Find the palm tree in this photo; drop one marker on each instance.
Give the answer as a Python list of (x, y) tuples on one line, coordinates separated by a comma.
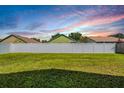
[(119, 36)]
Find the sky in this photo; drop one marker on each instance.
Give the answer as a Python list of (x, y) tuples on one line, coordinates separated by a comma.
[(46, 20)]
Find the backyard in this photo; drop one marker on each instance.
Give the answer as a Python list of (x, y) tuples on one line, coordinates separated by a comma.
[(61, 70)]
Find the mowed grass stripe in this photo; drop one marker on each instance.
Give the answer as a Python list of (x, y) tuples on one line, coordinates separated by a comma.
[(110, 64)]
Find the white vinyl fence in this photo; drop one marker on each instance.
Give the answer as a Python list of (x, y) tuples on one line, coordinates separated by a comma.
[(5, 48), (59, 48)]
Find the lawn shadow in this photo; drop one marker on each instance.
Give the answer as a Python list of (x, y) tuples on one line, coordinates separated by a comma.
[(56, 78)]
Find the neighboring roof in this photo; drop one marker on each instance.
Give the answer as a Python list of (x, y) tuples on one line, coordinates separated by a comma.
[(64, 36), (24, 39), (105, 39)]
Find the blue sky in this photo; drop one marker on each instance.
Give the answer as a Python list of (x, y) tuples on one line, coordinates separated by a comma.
[(45, 20)]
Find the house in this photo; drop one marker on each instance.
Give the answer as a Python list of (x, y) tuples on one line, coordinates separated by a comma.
[(101, 40), (18, 39), (62, 39)]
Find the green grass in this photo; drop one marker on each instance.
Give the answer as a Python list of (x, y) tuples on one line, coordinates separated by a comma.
[(61, 70)]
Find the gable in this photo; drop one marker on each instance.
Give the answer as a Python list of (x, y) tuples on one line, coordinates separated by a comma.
[(12, 39), (61, 39)]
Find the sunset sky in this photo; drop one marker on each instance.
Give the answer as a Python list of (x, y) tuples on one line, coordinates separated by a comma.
[(44, 21)]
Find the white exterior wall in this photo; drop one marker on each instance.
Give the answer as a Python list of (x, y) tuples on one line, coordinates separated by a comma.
[(59, 48)]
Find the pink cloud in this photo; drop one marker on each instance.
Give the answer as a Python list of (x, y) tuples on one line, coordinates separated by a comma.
[(103, 33), (92, 22), (99, 21)]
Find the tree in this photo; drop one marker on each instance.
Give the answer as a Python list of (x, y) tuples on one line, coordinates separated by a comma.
[(76, 36), (118, 35), (44, 41), (56, 35)]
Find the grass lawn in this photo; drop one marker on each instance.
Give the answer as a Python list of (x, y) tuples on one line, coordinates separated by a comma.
[(61, 70)]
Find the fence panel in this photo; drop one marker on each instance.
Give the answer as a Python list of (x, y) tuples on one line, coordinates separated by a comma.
[(43, 48), (4, 48), (59, 48)]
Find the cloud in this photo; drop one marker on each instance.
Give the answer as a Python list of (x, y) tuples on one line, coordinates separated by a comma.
[(102, 33), (87, 16), (77, 13), (63, 19), (24, 33), (35, 25), (92, 22), (99, 21)]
